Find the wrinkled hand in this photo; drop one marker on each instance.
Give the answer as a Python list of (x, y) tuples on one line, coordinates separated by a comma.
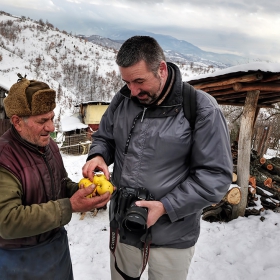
[(81, 203), (93, 164), (155, 210)]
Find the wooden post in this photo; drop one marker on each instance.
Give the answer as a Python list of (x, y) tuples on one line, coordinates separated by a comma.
[(244, 150)]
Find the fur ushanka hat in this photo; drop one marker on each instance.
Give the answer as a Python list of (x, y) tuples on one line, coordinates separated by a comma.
[(29, 98)]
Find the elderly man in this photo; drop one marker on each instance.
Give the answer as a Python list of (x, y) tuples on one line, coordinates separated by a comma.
[(36, 196)]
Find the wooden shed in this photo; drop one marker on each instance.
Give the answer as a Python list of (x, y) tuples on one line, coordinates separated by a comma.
[(253, 86)]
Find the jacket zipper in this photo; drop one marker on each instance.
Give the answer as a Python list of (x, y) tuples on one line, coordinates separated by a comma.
[(52, 182), (144, 111), (132, 128)]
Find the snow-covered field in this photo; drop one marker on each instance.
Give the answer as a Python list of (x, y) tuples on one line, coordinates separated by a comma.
[(243, 249)]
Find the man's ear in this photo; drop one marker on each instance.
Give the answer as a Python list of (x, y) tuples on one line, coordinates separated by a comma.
[(163, 69), (17, 122)]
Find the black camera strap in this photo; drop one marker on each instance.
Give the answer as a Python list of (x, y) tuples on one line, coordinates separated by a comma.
[(146, 239)]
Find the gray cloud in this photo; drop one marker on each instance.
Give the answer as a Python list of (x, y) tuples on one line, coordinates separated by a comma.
[(247, 28)]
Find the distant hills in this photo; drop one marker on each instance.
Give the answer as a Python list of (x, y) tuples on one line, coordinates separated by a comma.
[(180, 49)]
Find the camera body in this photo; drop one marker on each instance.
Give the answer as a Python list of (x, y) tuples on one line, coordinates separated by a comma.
[(133, 217)]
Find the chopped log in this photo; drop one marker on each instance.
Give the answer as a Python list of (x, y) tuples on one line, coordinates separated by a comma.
[(234, 177), (270, 166), (268, 183), (254, 211), (269, 203), (266, 174), (212, 215), (251, 203), (275, 193), (233, 196), (219, 212), (252, 181), (252, 190), (262, 193)]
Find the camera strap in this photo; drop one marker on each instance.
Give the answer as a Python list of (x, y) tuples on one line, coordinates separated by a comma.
[(146, 239)]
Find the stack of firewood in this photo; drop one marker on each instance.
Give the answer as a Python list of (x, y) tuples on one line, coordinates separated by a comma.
[(263, 186)]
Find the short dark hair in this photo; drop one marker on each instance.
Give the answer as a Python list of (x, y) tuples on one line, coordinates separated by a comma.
[(139, 48)]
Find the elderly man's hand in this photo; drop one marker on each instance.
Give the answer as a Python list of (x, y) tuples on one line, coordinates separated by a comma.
[(81, 203)]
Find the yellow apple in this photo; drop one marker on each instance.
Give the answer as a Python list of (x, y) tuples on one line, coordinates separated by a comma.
[(86, 182), (102, 184)]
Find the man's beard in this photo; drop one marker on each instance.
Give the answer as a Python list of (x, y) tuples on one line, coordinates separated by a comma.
[(152, 97)]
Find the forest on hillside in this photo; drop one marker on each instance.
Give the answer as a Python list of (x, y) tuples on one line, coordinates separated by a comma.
[(88, 71)]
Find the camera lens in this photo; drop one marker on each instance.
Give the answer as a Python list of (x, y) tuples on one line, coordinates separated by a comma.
[(136, 218)]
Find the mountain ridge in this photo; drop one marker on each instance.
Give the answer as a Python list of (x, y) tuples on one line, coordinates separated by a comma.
[(167, 42)]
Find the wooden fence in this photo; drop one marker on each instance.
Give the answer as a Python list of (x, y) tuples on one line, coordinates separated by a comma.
[(76, 144)]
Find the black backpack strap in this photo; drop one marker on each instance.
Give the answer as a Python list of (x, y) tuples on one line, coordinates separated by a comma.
[(189, 103)]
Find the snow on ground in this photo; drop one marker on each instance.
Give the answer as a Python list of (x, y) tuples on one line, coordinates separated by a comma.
[(243, 249)]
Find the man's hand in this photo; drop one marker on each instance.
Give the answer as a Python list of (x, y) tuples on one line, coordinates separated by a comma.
[(93, 164), (155, 210), (81, 203)]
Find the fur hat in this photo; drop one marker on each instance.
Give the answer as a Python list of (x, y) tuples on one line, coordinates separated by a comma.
[(29, 98)]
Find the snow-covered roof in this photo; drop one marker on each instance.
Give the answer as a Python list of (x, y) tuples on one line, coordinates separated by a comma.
[(230, 86), (255, 66), (72, 123), (4, 85)]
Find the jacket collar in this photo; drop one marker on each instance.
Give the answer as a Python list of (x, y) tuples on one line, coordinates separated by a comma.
[(27, 144)]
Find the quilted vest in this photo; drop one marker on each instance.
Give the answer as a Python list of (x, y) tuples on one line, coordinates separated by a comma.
[(41, 175)]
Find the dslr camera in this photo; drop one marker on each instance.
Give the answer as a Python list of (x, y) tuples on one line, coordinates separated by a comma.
[(133, 217)]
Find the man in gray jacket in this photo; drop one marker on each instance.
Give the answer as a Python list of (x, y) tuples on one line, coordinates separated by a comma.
[(161, 165)]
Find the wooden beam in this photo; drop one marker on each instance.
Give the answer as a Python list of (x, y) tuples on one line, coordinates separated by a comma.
[(221, 93), (266, 94), (244, 150), (270, 100), (217, 88), (257, 86), (245, 78), (233, 96), (271, 78), (228, 103)]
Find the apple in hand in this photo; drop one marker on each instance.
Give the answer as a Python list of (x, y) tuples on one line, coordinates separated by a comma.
[(102, 184), (86, 182)]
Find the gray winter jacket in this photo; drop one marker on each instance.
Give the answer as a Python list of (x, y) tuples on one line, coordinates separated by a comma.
[(155, 148)]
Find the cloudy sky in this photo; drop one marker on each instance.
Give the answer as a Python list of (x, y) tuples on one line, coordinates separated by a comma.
[(248, 28)]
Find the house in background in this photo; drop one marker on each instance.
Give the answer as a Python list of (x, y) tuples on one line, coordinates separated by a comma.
[(76, 130), (73, 137), (91, 113)]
